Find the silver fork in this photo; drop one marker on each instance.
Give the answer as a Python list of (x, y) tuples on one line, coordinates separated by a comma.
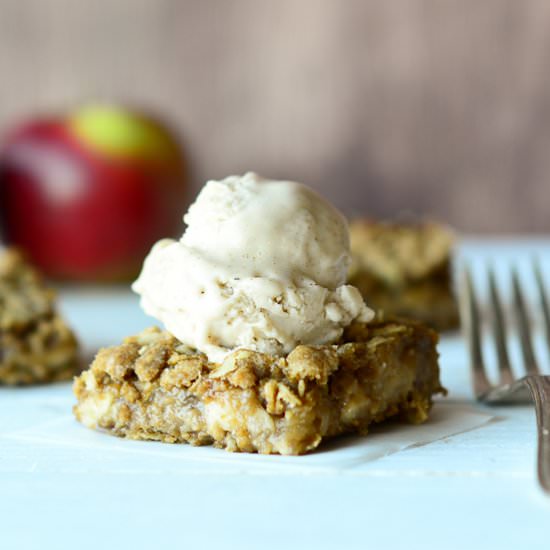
[(533, 386)]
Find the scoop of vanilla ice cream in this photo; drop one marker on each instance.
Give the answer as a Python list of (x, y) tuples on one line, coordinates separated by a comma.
[(262, 265)]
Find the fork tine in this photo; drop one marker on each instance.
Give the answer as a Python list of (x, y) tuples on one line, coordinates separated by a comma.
[(472, 329), (529, 359), (499, 332), (543, 298)]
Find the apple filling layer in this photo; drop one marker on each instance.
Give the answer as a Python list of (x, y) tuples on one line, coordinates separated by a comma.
[(35, 343), (154, 387)]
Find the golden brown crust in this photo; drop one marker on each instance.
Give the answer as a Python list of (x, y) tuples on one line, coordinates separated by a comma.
[(154, 387), (35, 343), (405, 270)]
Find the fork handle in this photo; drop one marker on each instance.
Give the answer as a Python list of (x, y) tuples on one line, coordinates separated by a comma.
[(539, 386)]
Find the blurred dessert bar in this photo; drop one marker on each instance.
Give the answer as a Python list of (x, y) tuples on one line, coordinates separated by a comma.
[(405, 270), (35, 343), (154, 387)]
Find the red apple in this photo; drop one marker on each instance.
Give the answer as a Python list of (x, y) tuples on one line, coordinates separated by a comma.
[(86, 195)]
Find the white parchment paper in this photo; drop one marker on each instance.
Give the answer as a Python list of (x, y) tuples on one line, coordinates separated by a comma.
[(51, 431)]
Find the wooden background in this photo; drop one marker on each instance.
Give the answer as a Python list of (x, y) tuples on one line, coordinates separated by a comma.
[(438, 107)]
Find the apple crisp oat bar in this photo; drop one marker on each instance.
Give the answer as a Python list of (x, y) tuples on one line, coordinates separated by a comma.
[(153, 387), (405, 270), (35, 343)]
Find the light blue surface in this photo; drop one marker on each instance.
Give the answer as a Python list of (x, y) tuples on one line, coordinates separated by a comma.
[(472, 490)]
